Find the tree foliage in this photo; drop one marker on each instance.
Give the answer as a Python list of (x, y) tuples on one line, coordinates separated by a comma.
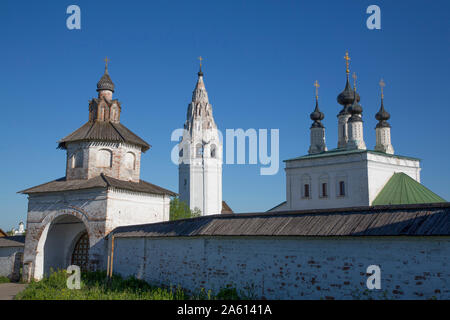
[(180, 210)]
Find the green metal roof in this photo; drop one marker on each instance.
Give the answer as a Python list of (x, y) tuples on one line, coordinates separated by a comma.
[(402, 189), (342, 151)]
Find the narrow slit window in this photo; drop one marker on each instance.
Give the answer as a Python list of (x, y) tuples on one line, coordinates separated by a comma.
[(341, 188), (324, 190), (306, 190)]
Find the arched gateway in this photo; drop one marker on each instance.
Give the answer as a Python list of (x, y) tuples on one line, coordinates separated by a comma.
[(68, 218), (64, 240)]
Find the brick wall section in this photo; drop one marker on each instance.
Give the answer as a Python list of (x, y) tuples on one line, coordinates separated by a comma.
[(10, 262), (292, 267), (90, 167)]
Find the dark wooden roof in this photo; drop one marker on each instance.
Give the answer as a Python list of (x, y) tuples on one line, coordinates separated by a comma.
[(13, 241), (226, 208), (100, 181), (103, 131), (403, 220), (2, 233)]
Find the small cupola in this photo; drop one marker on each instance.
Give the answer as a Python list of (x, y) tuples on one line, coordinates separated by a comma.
[(346, 97), (382, 115), (105, 86), (317, 116)]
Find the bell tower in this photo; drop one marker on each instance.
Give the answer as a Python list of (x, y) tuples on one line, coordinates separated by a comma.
[(200, 150)]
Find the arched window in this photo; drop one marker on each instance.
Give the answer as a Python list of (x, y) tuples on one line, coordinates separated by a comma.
[(323, 186), (103, 113), (104, 158), (306, 186), (181, 153), (130, 161), (213, 151), (341, 185), (199, 150), (77, 159)]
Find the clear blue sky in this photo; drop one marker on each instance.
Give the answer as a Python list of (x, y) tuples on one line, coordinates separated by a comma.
[(261, 59)]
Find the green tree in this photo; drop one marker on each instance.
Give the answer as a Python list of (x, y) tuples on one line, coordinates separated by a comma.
[(180, 210)]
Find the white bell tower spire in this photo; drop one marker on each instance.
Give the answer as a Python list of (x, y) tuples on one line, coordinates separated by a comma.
[(200, 170)]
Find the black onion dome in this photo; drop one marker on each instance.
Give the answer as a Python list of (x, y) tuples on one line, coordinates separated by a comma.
[(347, 96), (355, 110), (200, 72), (317, 116), (382, 116), (105, 82)]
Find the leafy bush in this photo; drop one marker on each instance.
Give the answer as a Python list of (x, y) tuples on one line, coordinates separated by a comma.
[(96, 286), (4, 280)]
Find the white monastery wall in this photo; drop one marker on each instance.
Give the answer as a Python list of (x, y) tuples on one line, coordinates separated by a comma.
[(129, 208), (364, 175), (10, 262), (350, 169), (292, 268)]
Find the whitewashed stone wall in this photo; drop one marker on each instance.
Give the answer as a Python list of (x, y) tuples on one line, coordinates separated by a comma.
[(87, 206), (96, 211), (352, 168), (130, 208), (365, 174), (292, 268), (95, 162), (8, 261)]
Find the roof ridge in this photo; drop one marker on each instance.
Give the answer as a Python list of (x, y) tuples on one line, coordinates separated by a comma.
[(123, 138), (104, 177), (90, 129), (40, 185)]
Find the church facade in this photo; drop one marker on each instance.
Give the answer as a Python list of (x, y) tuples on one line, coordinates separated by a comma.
[(68, 218), (200, 151), (351, 175)]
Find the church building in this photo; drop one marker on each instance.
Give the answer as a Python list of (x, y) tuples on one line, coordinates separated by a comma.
[(352, 175), (68, 218), (200, 153)]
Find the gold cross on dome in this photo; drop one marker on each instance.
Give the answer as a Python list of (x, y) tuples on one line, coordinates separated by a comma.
[(106, 62), (382, 85), (354, 80), (347, 59), (316, 84), (200, 59)]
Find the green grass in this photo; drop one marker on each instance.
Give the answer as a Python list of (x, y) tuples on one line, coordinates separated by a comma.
[(95, 286), (4, 280)]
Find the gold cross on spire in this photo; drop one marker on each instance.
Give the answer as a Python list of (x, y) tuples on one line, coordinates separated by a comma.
[(200, 59), (382, 85), (354, 80), (106, 63), (347, 59), (316, 84)]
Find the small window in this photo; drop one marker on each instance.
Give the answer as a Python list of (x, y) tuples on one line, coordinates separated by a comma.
[(77, 159), (213, 151), (104, 158), (180, 154), (130, 161), (306, 191), (341, 188), (199, 151), (324, 190)]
